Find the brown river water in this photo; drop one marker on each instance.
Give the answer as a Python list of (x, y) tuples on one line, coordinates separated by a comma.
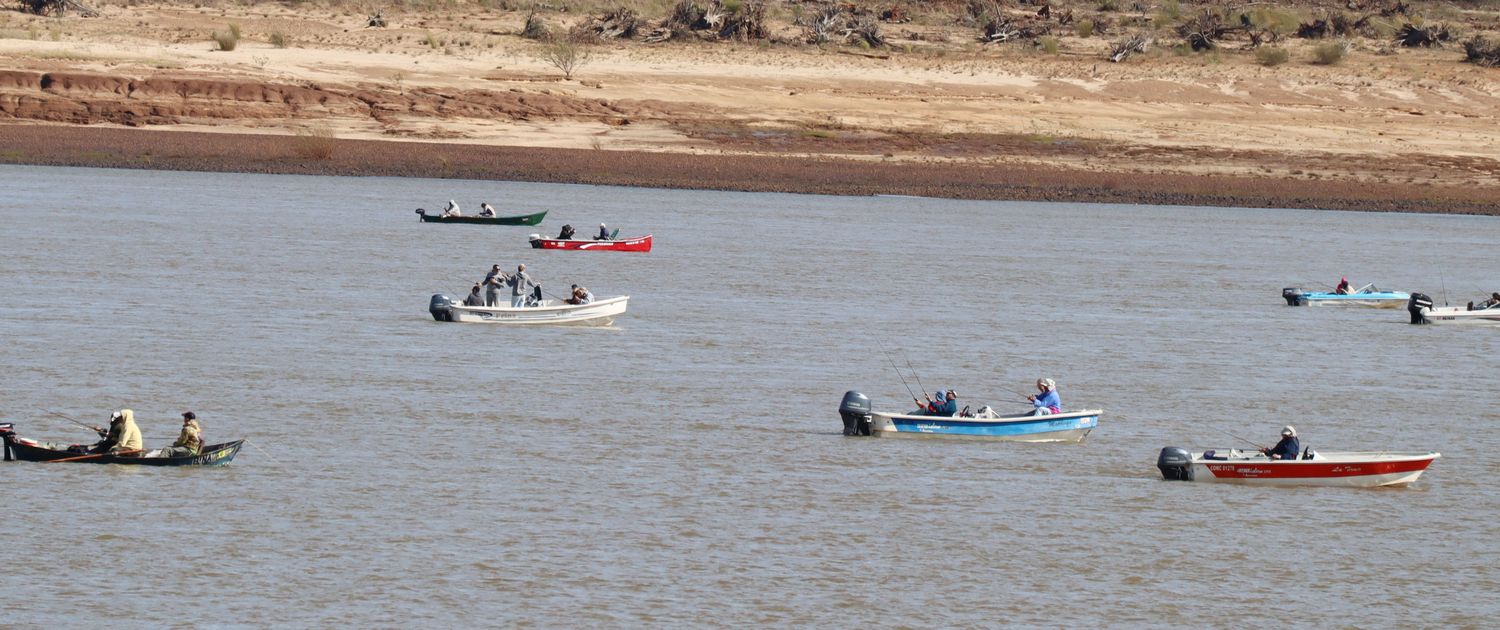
[(685, 466)]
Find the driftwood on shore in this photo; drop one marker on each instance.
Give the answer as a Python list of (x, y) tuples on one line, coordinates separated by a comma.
[(1482, 52), (1125, 48), (1412, 35), (57, 7), (844, 23)]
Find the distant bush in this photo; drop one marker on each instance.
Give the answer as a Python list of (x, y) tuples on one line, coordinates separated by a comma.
[(565, 56), (433, 41), (279, 39), (317, 142), (227, 41), (1049, 45), (1268, 56), (1328, 54), (1084, 28), (1107, 5)]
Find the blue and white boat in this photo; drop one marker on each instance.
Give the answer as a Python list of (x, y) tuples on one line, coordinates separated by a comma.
[(1069, 426), (1367, 296)]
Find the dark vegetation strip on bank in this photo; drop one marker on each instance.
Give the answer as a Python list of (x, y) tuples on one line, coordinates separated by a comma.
[(193, 151)]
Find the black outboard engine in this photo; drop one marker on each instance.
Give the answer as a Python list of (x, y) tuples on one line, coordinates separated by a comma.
[(1176, 464), (1294, 296), (855, 410), (8, 433), (441, 308), (1415, 305)]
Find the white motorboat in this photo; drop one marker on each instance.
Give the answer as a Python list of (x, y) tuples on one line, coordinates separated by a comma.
[(1423, 311), (1314, 468), (600, 312)]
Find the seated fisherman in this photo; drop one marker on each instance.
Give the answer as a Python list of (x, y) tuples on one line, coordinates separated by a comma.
[(452, 209), (603, 233), (487, 211), (1343, 288), (189, 443), (474, 299), (566, 233), (1045, 402), (1287, 448), (122, 437), (1493, 302)]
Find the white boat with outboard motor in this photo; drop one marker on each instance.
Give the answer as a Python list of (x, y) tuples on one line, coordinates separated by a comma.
[(1423, 311), (985, 424), (601, 312), (1352, 469), (1367, 295)]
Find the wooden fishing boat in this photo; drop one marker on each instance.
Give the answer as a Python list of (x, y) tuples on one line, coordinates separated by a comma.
[(1315, 468), (596, 313), (27, 450), (1070, 426), (1369, 297), (522, 219), (636, 244), (1423, 312)]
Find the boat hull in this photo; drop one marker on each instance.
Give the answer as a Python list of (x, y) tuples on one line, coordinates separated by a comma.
[(637, 244), (26, 450), (1350, 470), (523, 219), (1384, 299), (1460, 315), (1063, 427), (550, 313)]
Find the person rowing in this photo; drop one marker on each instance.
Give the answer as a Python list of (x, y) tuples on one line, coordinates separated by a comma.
[(452, 209), (1287, 448), (1045, 402)]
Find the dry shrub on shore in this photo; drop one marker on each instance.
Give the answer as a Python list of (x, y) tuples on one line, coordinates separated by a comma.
[(1270, 57), (1328, 53), (227, 41), (1481, 51), (317, 142), (536, 29), (565, 55)]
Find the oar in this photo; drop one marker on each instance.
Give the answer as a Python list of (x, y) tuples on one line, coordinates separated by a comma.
[(81, 457)]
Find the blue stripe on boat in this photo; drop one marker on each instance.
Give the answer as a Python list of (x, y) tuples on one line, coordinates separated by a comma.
[(1012, 426)]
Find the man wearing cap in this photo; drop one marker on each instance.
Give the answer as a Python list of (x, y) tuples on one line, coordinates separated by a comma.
[(190, 442), (946, 404), (1045, 402), (1287, 448), (492, 283), (122, 437)]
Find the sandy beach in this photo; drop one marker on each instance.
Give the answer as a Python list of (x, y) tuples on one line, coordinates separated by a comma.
[(456, 91)]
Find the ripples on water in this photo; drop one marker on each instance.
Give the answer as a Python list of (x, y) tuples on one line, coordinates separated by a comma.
[(684, 467)]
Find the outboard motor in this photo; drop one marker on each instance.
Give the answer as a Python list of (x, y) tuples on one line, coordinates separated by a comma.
[(535, 239), (1294, 296), (855, 410), (1176, 464), (1415, 306), (8, 433), (441, 308)]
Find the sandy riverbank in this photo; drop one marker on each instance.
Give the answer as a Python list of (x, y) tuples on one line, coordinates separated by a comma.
[(454, 91)]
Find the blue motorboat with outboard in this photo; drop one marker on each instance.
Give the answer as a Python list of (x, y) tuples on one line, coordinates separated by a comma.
[(985, 424), (1368, 296)]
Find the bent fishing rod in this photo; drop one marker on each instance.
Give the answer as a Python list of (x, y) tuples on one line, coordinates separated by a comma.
[(1246, 440), (70, 419), (914, 372), (893, 367)]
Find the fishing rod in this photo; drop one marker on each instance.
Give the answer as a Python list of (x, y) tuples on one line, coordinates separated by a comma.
[(893, 367), (1445, 285), (70, 419), (914, 372), (1247, 440)]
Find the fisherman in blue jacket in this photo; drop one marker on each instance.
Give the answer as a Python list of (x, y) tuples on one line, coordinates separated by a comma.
[(1045, 402), (1287, 448)]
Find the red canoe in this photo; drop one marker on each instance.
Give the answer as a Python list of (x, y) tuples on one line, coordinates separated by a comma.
[(637, 244)]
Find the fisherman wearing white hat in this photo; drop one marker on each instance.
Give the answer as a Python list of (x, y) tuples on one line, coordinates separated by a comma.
[(603, 233), (1045, 401), (1287, 448)]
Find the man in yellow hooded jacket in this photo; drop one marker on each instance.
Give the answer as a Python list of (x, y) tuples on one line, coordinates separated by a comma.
[(122, 437)]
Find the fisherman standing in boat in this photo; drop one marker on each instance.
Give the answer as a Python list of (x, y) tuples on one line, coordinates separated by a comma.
[(492, 283), (122, 436), (520, 285), (486, 210), (474, 298), (190, 442), (1045, 402), (603, 233), (452, 209), (1287, 448)]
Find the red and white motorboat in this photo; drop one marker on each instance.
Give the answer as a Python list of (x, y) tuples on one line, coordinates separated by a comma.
[(637, 244), (1336, 468)]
